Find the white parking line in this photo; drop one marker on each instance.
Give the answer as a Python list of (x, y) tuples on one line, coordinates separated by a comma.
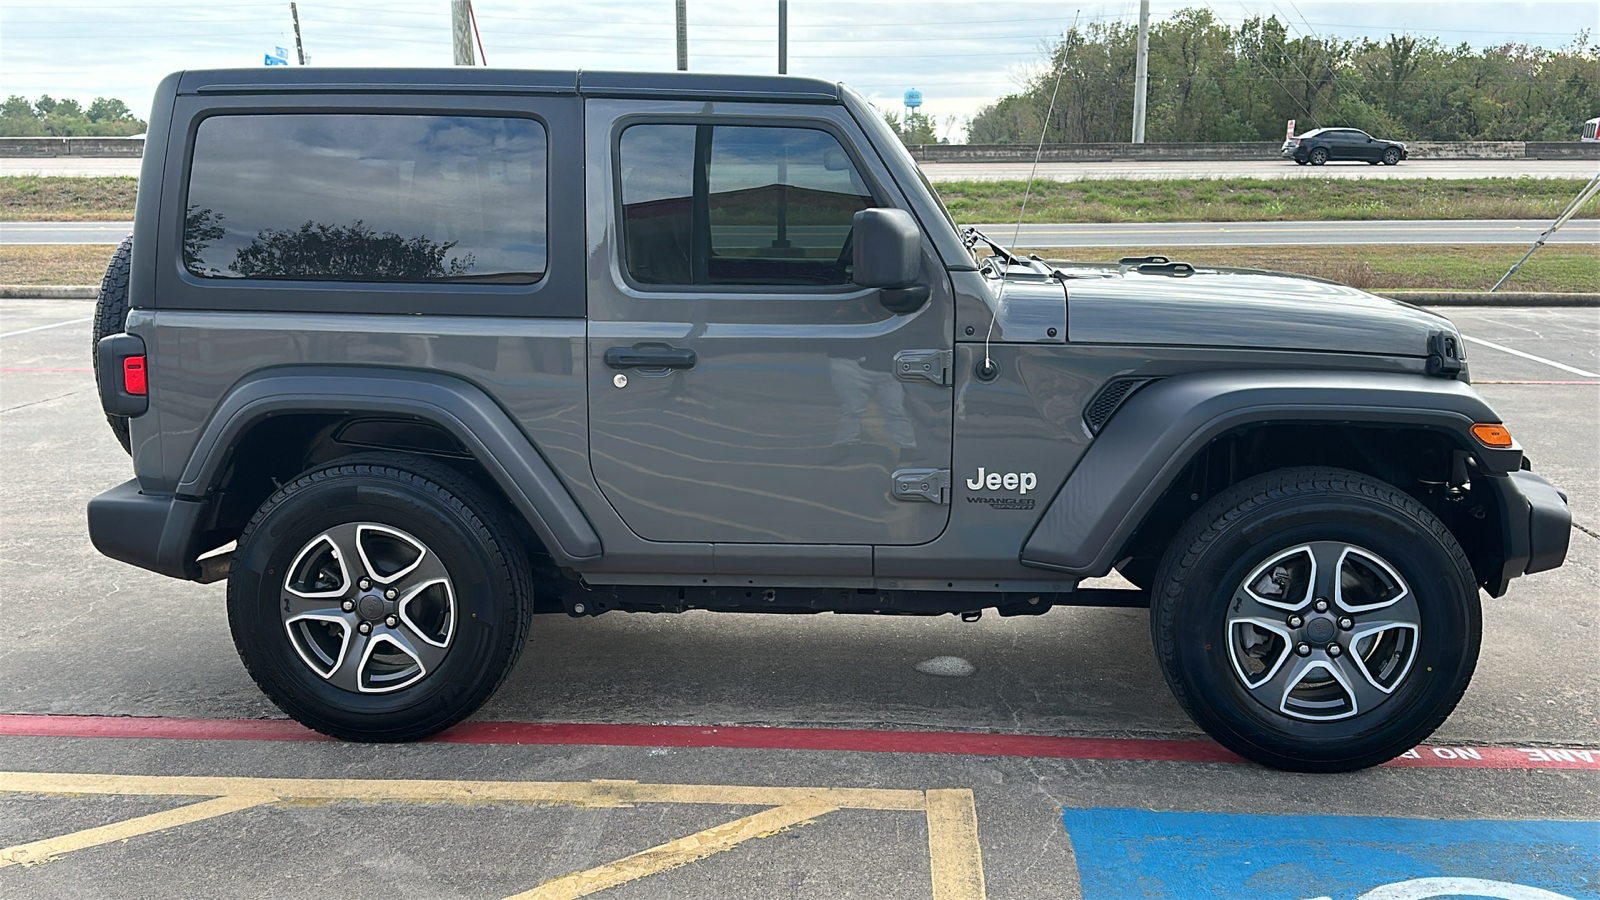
[(51, 325), (1538, 359)]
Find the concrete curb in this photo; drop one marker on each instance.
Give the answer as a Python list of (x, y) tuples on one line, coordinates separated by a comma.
[(1420, 298), (49, 291)]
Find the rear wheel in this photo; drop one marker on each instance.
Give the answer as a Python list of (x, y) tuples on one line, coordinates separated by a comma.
[(1391, 157), (1299, 162), (1319, 156), (383, 598), (1316, 620), (111, 317)]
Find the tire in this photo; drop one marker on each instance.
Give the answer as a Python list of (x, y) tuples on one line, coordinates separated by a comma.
[(1372, 162), (1299, 162), (1319, 156), (1297, 697), (111, 317), (1391, 157), (439, 645)]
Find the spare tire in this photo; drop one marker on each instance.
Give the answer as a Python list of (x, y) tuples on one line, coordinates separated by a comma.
[(110, 317)]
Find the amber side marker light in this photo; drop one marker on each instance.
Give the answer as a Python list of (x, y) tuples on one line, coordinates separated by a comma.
[(1492, 435)]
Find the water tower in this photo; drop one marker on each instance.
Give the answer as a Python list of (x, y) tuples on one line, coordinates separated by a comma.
[(913, 100)]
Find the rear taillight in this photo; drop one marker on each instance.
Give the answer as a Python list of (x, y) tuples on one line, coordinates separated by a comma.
[(133, 380)]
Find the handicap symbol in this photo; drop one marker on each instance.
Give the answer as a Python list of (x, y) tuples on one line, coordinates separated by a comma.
[(1425, 888)]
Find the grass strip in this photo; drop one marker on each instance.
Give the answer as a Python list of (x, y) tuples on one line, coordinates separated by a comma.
[(33, 198), (27, 198), (1263, 200), (54, 263), (1565, 268)]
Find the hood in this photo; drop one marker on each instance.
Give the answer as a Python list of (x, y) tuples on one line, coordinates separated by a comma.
[(1243, 308)]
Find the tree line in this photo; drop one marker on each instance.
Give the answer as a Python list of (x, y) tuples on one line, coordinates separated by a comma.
[(49, 117), (1213, 82)]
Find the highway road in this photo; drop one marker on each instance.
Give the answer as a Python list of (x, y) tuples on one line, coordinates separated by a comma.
[(1173, 234), (1273, 234), (981, 171), (1266, 168)]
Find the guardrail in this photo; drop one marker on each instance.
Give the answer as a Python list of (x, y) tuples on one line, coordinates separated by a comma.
[(99, 147), (989, 153)]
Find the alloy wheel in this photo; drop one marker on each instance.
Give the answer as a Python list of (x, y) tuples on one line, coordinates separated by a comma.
[(368, 608), (1322, 631)]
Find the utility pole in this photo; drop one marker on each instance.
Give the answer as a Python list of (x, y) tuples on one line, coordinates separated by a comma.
[(461, 32), (1141, 72), (783, 37), (683, 35), (299, 48)]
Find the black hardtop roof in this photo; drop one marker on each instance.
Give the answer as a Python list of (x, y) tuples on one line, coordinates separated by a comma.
[(665, 85)]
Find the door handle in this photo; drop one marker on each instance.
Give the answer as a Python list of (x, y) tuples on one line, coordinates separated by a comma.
[(650, 356)]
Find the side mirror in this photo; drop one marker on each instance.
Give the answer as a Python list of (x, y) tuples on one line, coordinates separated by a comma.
[(885, 248)]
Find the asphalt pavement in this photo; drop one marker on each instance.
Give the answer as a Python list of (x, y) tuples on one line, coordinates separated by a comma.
[(1074, 171), (1174, 234), (713, 755), (1266, 168), (1271, 234)]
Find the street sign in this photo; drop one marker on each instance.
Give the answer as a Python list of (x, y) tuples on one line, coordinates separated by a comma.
[(278, 57), (1289, 133), (913, 98)]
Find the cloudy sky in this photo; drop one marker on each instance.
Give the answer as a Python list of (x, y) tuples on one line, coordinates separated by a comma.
[(959, 54)]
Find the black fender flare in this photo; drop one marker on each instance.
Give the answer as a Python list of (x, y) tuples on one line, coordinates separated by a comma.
[(1162, 426), (459, 407)]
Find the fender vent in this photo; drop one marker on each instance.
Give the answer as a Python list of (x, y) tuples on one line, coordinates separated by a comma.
[(1105, 403)]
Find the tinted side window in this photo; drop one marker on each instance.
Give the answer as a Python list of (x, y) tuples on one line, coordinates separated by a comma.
[(391, 198), (736, 204)]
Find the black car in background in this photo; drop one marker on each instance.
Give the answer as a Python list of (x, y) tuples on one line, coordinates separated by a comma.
[(1333, 144)]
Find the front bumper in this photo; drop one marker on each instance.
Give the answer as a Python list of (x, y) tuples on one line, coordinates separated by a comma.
[(1535, 526), (158, 532)]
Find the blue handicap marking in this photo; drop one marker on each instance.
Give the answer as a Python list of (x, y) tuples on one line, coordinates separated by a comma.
[(1133, 853)]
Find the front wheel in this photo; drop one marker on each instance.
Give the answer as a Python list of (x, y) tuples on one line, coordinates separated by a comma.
[(1391, 157), (381, 598), (1316, 620)]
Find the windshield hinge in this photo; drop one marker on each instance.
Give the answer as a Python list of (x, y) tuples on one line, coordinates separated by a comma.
[(932, 365), (922, 485)]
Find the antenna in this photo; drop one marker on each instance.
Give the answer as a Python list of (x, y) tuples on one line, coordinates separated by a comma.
[(989, 369)]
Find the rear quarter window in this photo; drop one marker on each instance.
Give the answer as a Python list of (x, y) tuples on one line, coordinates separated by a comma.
[(367, 198)]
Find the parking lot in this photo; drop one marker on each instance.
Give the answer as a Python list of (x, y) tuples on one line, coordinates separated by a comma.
[(718, 755)]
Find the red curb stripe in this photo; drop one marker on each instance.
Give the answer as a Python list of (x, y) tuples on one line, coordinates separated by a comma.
[(745, 737)]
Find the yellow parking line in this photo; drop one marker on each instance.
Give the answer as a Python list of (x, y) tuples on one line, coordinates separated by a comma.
[(955, 856), (39, 851), (677, 853), (953, 846), (584, 793)]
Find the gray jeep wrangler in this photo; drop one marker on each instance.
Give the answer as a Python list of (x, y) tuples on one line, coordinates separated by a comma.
[(410, 356)]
